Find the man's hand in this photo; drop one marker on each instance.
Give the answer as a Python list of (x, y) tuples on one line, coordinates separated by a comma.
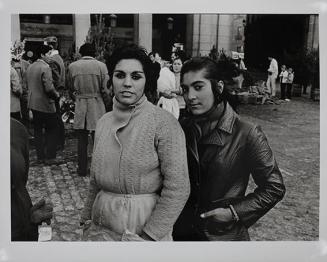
[(41, 211)]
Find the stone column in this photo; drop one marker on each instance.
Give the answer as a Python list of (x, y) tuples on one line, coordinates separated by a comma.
[(15, 28), (225, 33), (144, 28), (204, 33), (189, 34), (313, 32), (136, 29), (81, 24)]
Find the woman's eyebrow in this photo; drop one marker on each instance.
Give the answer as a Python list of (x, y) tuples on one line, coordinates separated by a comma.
[(197, 82), (134, 72)]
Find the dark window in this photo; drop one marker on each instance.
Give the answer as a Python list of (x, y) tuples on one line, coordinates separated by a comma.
[(61, 19), (123, 20)]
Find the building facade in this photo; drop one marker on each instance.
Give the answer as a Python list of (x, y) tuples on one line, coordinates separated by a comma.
[(280, 36), (196, 33)]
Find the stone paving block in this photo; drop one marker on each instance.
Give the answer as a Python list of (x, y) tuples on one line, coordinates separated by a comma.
[(73, 222), (66, 195), (60, 219), (58, 208), (70, 236), (66, 227), (80, 205), (69, 207), (68, 202)]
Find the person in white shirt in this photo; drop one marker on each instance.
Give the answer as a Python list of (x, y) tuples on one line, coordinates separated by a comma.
[(283, 76), (272, 75), (290, 78), (166, 88)]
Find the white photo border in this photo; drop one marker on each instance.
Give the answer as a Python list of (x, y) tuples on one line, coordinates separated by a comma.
[(175, 251)]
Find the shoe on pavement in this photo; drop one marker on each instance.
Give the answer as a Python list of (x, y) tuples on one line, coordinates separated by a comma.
[(287, 100), (37, 162), (83, 173), (51, 161)]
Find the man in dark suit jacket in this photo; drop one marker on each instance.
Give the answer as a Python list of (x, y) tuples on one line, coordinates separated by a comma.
[(41, 100), (59, 84), (155, 68)]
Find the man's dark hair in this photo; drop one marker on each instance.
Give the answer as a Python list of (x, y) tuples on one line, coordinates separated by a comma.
[(42, 50), (87, 49)]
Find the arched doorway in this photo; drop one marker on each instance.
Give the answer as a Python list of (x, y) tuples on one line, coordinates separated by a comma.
[(275, 35), (167, 30)]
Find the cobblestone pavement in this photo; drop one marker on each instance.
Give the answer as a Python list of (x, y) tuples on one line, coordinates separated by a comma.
[(292, 129)]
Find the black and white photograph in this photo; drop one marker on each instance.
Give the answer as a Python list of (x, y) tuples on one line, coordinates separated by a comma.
[(196, 128)]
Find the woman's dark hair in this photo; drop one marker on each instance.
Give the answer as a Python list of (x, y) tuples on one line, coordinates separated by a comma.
[(181, 55), (212, 73), (176, 58), (132, 51), (87, 50)]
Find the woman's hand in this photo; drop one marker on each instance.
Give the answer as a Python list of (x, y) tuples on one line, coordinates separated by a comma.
[(129, 236), (146, 237), (168, 95), (176, 92), (85, 224), (221, 215), (42, 211)]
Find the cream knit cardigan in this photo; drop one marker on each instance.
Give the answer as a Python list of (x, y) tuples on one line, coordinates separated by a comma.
[(141, 149)]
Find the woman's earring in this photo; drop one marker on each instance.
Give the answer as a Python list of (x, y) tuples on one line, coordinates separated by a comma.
[(220, 86)]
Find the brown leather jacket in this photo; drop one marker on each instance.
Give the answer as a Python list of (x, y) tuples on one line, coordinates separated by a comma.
[(219, 171)]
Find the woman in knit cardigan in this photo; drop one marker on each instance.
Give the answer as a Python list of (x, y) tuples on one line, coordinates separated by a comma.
[(139, 176)]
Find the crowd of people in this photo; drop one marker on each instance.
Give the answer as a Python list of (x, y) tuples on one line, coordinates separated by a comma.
[(171, 157)]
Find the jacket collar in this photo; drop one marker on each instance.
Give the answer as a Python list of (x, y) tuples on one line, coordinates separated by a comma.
[(225, 125), (226, 122), (123, 113), (42, 61), (87, 57), (54, 52)]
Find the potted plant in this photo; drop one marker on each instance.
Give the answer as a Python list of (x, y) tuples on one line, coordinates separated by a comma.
[(101, 37), (312, 63), (306, 71)]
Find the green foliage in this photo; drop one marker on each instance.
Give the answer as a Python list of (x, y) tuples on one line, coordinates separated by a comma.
[(306, 66), (101, 37), (229, 68)]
